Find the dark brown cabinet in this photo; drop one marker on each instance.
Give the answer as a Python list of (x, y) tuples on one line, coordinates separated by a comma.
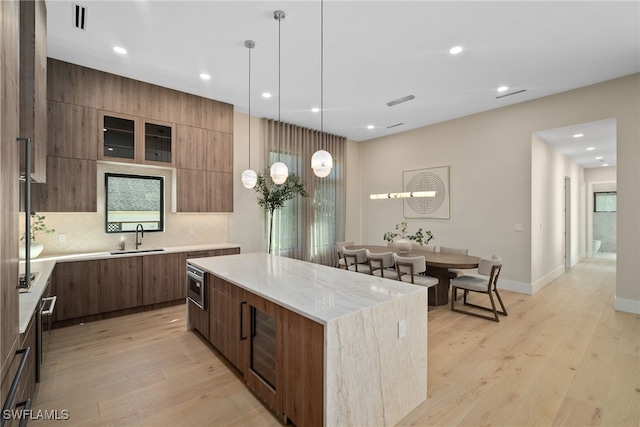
[(71, 186), (120, 283), (78, 290), (279, 352), (226, 307), (161, 279), (33, 83)]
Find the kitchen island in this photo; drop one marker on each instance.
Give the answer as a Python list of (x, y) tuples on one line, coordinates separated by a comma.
[(370, 364)]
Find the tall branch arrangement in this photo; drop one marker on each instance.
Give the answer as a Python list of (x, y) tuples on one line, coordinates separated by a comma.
[(272, 196)]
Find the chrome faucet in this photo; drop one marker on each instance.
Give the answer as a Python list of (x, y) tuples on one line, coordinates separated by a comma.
[(141, 229)]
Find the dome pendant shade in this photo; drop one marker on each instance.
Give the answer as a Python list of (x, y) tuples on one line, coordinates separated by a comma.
[(249, 178), (279, 173), (321, 163)]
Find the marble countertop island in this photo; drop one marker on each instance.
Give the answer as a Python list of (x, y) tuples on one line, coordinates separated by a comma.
[(375, 331)]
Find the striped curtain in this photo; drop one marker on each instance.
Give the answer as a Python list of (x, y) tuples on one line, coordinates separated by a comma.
[(308, 228)]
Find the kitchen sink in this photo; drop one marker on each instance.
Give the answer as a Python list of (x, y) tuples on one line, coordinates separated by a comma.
[(136, 251)]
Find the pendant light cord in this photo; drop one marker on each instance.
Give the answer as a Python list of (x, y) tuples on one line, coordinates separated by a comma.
[(322, 143), (279, 123), (249, 107)]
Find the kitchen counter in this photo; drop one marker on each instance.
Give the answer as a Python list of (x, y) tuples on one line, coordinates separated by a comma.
[(44, 265), (29, 301), (374, 332), (107, 254)]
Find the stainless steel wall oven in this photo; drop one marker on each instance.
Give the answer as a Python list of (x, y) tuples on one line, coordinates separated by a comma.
[(196, 286)]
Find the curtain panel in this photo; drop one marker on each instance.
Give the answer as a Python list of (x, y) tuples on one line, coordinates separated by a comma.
[(307, 228)]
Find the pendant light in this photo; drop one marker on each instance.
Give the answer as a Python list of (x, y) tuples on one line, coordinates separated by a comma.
[(321, 161), (279, 171), (249, 176)]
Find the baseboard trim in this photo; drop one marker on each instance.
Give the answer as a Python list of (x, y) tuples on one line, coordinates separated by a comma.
[(626, 305), (548, 278), (520, 287)]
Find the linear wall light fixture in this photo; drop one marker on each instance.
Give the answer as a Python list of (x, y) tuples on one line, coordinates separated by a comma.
[(403, 195), (401, 100)]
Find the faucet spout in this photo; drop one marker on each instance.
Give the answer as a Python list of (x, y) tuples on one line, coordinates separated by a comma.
[(139, 228)]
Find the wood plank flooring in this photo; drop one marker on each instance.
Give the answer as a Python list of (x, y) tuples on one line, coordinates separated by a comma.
[(562, 357)]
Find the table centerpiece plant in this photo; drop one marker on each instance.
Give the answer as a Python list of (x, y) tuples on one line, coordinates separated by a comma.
[(405, 239), (37, 226)]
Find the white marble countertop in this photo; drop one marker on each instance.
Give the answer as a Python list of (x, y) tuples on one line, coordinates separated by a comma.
[(29, 300), (142, 252), (317, 292)]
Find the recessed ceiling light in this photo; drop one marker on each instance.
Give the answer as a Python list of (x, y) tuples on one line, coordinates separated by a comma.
[(266, 95), (205, 76), (605, 164), (120, 50), (503, 88), (591, 148), (455, 50), (370, 127), (578, 135), (315, 109), (599, 158)]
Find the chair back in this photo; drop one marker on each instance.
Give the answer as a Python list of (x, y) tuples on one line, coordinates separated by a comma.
[(424, 248), (490, 267), (380, 260), (340, 246), (448, 250), (355, 256), (410, 265)]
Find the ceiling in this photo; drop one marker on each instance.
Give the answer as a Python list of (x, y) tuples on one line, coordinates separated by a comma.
[(374, 52)]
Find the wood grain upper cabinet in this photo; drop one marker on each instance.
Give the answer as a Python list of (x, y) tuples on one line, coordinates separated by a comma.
[(71, 131), (71, 186), (161, 279), (33, 83), (120, 283), (191, 148), (77, 287), (133, 139)]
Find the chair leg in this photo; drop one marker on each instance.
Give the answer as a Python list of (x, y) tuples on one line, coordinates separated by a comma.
[(493, 305), (504, 310), (435, 298)]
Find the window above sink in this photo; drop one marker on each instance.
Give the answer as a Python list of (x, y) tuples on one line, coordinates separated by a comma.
[(131, 200)]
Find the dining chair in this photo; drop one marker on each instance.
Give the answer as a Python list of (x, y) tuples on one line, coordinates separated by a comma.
[(425, 248), (409, 269), (488, 268), (339, 247), (381, 263), (456, 272), (356, 260)]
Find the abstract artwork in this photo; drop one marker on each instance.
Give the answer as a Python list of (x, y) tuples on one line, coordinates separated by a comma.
[(429, 179)]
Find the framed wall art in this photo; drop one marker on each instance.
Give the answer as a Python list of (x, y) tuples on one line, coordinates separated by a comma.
[(429, 179)]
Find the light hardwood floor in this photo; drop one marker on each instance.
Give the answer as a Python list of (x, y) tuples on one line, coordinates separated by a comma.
[(562, 357)]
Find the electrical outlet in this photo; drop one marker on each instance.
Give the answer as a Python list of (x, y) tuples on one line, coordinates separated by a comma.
[(190, 232), (402, 329), (62, 237)]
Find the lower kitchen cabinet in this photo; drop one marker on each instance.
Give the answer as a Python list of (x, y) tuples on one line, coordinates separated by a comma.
[(120, 283), (226, 307), (279, 352), (198, 319), (161, 279), (77, 288), (28, 381)]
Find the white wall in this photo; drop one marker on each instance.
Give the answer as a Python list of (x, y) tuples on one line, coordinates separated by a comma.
[(548, 172), (490, 158)]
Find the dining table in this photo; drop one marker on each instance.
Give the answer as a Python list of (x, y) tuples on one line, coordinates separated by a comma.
[(438, 265)]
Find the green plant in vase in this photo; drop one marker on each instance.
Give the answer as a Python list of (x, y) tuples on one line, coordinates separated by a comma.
[(37, 227), (272, 196), (405, 239)]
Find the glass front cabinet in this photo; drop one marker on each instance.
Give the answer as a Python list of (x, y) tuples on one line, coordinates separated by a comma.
[(126, 138)]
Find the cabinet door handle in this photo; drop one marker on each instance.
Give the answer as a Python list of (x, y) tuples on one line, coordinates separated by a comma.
[(8, 403), (242, 304), (26, 409), (49, 311)]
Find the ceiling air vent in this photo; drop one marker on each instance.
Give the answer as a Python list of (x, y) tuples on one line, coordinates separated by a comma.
[(512, 93), (79, 16)]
